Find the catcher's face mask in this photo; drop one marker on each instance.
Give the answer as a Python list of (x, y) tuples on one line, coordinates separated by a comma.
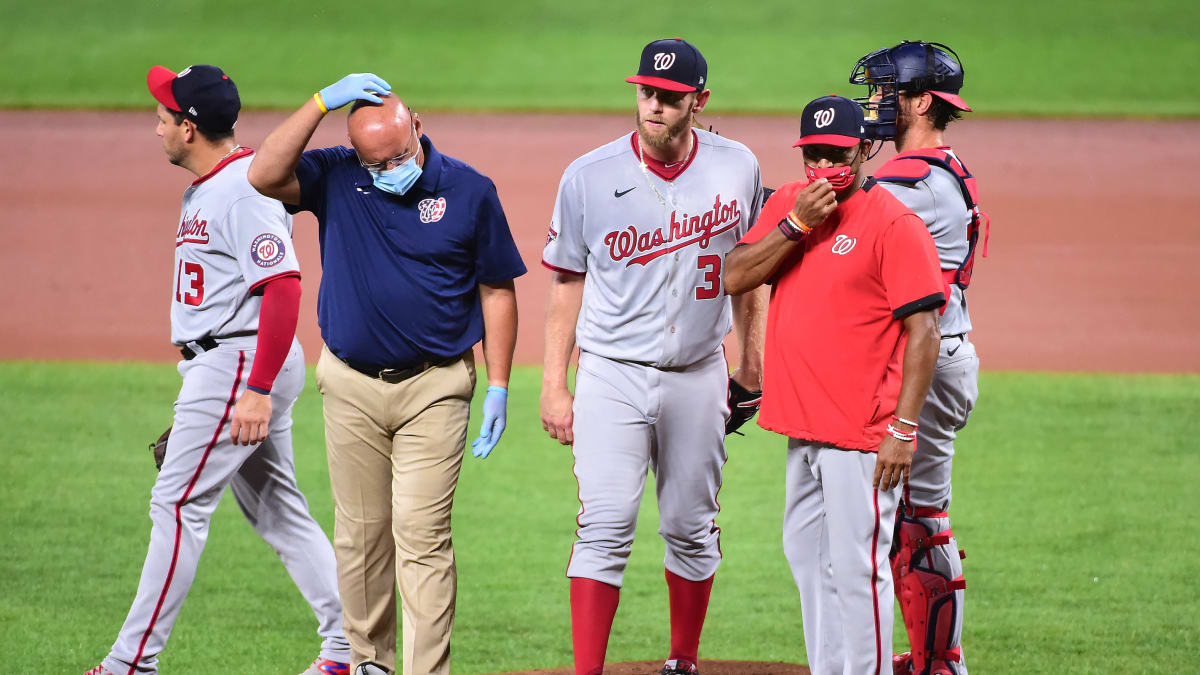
[(910, 67), (881, 104)]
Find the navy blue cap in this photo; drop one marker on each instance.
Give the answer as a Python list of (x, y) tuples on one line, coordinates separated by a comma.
[(674, 65), (831, 120), (204, 94)]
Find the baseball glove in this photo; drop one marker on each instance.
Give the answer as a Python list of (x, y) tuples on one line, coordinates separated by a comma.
[(159, 449), (743, 404)]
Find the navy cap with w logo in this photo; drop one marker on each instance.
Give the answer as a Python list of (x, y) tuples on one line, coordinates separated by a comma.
[(204, 94), (674, 65), (831, 120)]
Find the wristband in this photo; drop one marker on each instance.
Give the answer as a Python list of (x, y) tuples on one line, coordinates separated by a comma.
[(320, 103), (900, 435), (910, 423), (797, 223), (790, 232)]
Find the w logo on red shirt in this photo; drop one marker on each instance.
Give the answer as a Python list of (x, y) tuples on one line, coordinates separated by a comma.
[(843, 244)]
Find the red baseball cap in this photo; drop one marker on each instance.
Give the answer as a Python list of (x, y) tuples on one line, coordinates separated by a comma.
[(952, 98), (204, 94)]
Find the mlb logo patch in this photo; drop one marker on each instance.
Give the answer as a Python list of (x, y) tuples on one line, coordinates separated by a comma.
[(431, 210)]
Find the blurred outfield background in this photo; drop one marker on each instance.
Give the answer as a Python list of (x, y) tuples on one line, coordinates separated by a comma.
[(1024, 57), (1075, 494)]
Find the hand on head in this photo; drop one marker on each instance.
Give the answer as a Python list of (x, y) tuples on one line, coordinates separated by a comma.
[(384, 131), (354, 87)]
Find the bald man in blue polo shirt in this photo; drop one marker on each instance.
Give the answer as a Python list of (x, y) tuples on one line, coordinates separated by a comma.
[(418, 265)]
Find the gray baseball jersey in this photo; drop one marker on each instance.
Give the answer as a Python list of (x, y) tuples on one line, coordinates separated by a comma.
[(652, 380), (938, 201), (231, 240), (653, 249)]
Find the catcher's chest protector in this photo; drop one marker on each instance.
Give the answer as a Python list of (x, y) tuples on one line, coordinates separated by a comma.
[(913, 166)]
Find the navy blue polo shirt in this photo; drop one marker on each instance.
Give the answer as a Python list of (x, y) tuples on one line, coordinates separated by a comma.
[(400, 274)]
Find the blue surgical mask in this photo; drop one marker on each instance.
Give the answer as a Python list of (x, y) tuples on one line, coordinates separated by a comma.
[(398, 180)]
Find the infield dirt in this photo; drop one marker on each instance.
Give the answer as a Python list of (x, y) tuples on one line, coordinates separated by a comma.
[(1092, 259)]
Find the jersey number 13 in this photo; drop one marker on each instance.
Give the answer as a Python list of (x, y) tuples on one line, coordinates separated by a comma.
[(189, 283)]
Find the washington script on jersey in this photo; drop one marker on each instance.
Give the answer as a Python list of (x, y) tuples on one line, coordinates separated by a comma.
[(700, 230), (192, 230)]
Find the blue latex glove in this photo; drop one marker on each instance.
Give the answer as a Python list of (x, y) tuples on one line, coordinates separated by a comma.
[(353, 87), (495, 416)]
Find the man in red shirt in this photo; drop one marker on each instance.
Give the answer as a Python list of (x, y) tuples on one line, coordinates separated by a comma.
[(852, 338)]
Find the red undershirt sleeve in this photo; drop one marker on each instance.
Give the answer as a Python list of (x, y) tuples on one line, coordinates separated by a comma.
[(276, 328)]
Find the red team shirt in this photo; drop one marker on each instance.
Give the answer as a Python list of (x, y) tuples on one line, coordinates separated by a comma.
[(835, 345)]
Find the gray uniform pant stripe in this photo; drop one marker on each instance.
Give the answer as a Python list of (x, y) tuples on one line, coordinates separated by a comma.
[(951, 398), (631, 417), (263, 481), (837, 531)]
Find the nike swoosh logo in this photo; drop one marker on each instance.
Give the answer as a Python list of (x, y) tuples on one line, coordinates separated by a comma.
[(950, 352), (619, 194)]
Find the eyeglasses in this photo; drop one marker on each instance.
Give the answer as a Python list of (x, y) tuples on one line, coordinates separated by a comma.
[(388, 165)]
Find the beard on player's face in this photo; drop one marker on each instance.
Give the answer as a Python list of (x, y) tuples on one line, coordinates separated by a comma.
[(662, 137), (175, 150), (903, 120)]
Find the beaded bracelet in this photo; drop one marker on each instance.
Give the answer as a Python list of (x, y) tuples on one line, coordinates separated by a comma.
[(910, 423), (900, 435)]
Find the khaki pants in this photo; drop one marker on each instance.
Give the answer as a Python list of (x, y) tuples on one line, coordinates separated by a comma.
[(394, 455)]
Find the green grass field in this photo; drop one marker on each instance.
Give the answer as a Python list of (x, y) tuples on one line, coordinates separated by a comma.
[(1075, 500), (1025, 57)]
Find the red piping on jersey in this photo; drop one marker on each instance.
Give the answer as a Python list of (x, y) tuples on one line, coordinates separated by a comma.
[(276, 328), (263, 282), (651, 162), (874, 582), (244, 152), (562, 270), (237, 380)]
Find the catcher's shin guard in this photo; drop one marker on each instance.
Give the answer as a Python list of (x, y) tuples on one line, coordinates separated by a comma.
[(927, 573)]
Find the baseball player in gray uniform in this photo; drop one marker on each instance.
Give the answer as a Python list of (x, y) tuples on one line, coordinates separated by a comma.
[(637, 240), (914, 94), (235, 300)]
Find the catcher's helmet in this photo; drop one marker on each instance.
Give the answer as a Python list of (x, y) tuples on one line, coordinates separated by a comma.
[(910, 67)]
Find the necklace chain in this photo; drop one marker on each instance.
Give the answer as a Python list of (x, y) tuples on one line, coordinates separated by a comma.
[(670, 184), (233, 150)]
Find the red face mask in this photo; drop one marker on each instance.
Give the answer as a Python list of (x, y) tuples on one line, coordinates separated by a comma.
[(839, 177)]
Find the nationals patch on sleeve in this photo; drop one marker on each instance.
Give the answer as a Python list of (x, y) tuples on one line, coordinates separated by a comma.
[(267, 250)]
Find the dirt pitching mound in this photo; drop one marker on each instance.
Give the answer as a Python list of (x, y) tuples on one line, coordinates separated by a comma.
[(708, 667)]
